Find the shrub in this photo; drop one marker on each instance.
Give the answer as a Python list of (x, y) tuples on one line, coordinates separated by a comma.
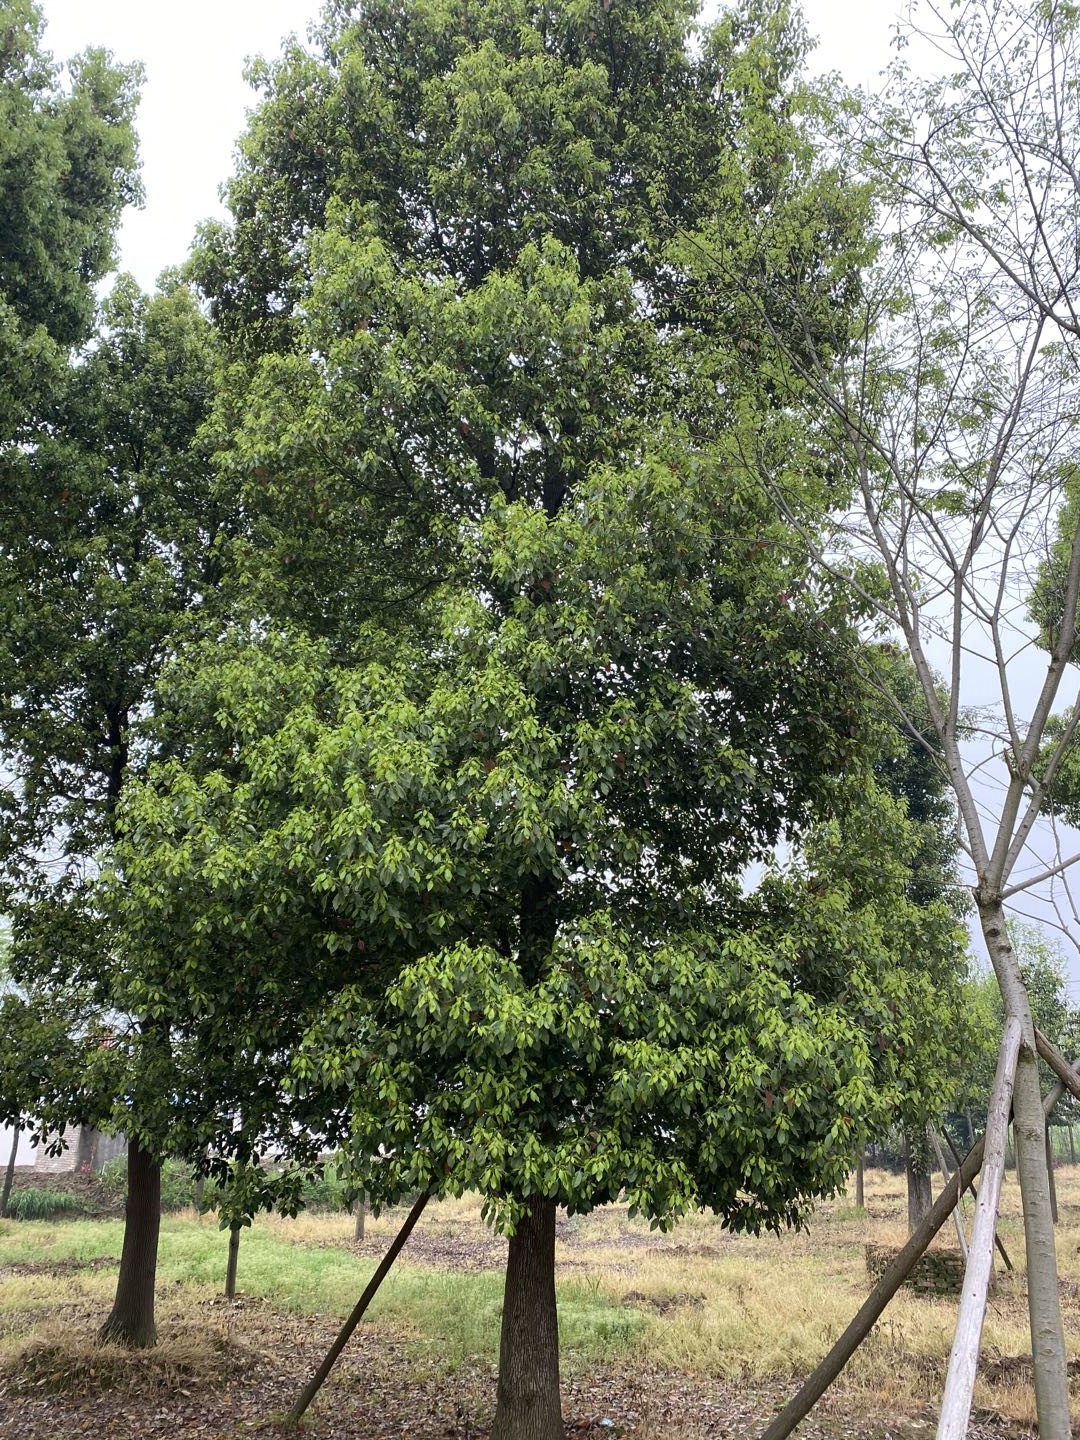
[(177, 1182), (34, 1204)]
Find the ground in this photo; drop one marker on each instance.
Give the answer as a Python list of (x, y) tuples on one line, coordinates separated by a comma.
[(690, 1335)]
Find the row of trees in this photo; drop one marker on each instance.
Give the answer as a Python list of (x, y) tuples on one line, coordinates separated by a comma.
[(424, 616)]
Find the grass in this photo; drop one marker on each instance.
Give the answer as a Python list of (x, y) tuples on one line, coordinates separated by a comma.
[(34, 1204), (453, 1315), (699, 1300)]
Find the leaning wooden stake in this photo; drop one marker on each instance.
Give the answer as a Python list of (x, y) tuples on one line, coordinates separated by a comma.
[(940, 1156), (800, 1405), (314, 1385), (964, 1360), (975, 1195)]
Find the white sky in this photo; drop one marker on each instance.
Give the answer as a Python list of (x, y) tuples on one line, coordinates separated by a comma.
[(194, 98)]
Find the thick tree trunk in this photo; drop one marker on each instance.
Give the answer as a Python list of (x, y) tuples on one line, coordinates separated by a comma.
[(234, 1255), (131, 1321), (920, 1195), (9, 1174), (360, 1211), (528, 1405), (1029, 1122)]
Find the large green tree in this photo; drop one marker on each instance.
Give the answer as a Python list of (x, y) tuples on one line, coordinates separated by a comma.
[(67, 168), (113, 535), (483, 831)]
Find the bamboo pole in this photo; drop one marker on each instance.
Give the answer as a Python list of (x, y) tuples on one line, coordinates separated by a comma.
[(804, 1400), (314, 1385), (964, 1360)]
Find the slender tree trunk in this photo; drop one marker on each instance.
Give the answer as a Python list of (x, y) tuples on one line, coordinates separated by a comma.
[(1051, 1182), (528, 1406), (9, 1174), (920, 1195), (1029, 1129), (1072, 1146), (234, 1255), (860, 1181), (360, 1211), (131, 1320)]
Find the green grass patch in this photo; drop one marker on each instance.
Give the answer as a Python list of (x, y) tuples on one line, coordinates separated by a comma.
[(454, 1315), (35, 1204)]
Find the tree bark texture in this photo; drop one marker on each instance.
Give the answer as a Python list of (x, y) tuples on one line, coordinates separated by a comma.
[(860, 1181), (360, 1211), (234, 1256), (131, 1320), (528, 1406), (1029, 1124), (920, 1195)]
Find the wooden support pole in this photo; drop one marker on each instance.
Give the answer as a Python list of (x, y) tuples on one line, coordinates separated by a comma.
[(964, 1360), (971, 1190), (1066, 1073), (314, 1385), (800, 1404), (1050, 1174), (939, 1155)]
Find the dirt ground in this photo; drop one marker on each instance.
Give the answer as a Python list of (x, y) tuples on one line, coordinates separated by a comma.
[(228, 1370)]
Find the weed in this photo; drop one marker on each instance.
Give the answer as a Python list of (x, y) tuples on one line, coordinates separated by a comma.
[(34, 1204)]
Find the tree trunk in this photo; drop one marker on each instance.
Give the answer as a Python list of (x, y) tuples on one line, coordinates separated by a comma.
[(234, 1253), (528, 1405), (860, 1181), (920, 1195), (1051, 1182), (9, 1174), (360, 1211), (131, 1320), (1029, 1131), (1072, 1146)]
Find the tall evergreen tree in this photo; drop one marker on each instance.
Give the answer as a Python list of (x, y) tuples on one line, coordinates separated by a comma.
[(566, 677), (113, 533)]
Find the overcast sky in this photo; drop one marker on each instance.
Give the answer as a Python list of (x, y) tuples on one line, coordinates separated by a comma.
[(194, 99)]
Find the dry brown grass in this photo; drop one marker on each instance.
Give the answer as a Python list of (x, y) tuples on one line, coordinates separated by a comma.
[(750, 1311), (61, 1359)]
